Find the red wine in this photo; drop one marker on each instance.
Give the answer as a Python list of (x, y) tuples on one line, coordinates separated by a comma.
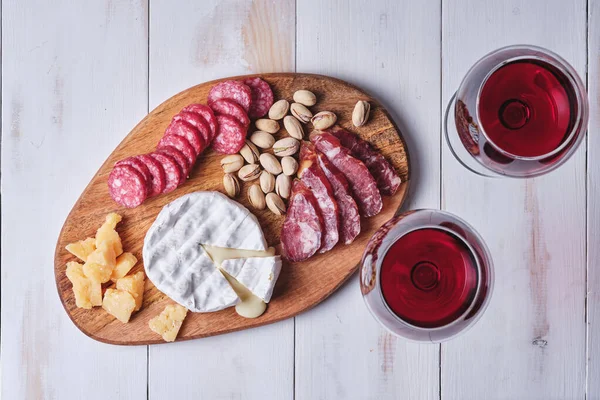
[(429, 277), (527, 108)]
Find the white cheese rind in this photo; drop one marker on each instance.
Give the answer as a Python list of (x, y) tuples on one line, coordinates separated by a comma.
[(258, 274), (177, 264)]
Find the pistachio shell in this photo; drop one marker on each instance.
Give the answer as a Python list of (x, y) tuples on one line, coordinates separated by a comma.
[(256, 197), (267, 181), (293, 127), (279, 109), (275, 204), (286, 147), (305, 97), (249, 172), (262, 139), (302, 113), (270, 163), (231, 185), (232, 163), (267, 125)]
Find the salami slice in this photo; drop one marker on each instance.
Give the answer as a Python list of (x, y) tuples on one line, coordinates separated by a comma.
[(302, 230), (386, 176), (173, 171), (179, 158), (197, 122), (262, 97), (142, 168), (231, 135), (187, 131), (127, 186), (206, 113), (348, 210), (228, 107), (362, 183), (313, 176), (181, 144), (232, 90), (159, 179)]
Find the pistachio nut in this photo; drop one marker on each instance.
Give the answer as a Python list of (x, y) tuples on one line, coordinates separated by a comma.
[(286, 147), (289, 165), (361, 112), (305, 97), (267, 125), (267, 181), (249, 172), (275, 204), (279, 109), (232, 163), (323, 120), (283, 186), (293, 127), (302, 113), (231, 185), (270, 163), (256, 197), (262, 139), (250, 152)]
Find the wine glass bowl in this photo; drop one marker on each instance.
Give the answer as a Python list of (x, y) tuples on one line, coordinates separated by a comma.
[(520, 111), (426, 275)]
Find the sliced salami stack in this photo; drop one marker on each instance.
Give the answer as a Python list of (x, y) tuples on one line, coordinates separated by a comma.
[(136, 178), (234, 102), (223, 123), (341, 178)]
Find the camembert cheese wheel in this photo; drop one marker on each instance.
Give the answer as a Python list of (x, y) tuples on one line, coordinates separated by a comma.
[(175, 259)]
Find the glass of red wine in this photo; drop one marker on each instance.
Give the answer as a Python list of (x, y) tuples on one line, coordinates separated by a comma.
[(521, 111), (426, 275)]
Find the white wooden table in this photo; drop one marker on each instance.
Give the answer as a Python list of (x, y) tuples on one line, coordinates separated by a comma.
[(77, 76)]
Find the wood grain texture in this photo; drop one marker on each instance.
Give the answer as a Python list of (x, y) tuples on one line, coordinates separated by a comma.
[(300, 285), (593, 221), (74, 79), (530, 343), (218, 42), (390, 48)]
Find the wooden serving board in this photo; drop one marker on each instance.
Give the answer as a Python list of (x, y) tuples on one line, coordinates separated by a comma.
[(300, 285)]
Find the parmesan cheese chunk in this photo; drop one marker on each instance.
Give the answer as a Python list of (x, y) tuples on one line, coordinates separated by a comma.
[(168, 322)]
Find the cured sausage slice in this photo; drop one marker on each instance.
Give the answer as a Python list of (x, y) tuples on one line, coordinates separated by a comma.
[(180, 159), (197, 122), (142, 168), (348, 210), (205, 112), (302, 230), (313, 176), (159, 179), (362, 183), (387, 179), (173, 172), (127, 186), (231, 108), (184, 129), (181, 144), (232, 90), (231, 135), (262, 97)]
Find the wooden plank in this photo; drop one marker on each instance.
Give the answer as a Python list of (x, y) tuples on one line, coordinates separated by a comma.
[(74, 81), (593, 284), (300, 286), (341, 352), (531, 342), (214, 39)]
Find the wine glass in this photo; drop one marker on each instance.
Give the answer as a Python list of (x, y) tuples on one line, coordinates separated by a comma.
[(426, 275), (520, 111)]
